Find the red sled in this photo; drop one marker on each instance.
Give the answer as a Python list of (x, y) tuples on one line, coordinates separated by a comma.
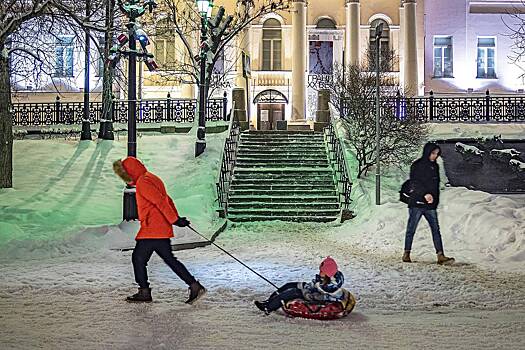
[(321, 311)]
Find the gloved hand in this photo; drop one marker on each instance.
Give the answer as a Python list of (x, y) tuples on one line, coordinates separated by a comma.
[(182, 222)]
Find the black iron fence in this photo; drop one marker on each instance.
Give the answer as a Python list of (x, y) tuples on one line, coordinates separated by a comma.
[(338, 160), (473, 109), (148, 111), (229, 158)]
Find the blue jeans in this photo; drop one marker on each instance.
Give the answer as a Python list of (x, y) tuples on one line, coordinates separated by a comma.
[(414, 215)]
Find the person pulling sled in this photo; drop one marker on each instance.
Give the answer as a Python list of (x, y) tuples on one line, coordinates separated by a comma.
[(157, 214)]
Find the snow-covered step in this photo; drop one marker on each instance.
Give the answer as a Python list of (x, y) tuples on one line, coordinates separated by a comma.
[(324, 181), (296, 218), (281, 186), (285, 163), (287, 192), (281, 199), (284, 205), (280, 155), (284, 212)]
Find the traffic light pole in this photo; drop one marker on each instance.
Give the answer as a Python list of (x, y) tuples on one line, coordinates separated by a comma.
[(200, 144)]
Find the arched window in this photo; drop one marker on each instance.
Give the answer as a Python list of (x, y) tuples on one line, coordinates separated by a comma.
[(385, 44), (271, 52), (326, 23)]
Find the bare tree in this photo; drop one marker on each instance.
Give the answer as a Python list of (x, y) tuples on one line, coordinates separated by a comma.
[(353, 95), (515, 22), (28, 28), (183, 21)]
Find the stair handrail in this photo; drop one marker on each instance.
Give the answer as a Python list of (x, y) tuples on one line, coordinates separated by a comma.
[(337, 154), (228, 160)]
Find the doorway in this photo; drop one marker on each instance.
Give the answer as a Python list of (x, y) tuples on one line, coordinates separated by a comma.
[(268, 114), (270, 109)]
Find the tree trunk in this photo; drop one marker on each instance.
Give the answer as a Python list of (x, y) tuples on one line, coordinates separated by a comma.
[(6, 124), (106, 120)]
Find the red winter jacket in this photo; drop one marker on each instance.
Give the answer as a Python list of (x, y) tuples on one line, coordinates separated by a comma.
[(156, 210)]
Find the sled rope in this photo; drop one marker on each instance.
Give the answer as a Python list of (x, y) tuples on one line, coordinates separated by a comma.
[(239, 261)]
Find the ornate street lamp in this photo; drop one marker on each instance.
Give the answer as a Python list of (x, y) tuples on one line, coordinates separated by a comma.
[(205, 7)]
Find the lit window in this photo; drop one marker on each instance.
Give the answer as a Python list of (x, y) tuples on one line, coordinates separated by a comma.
[(271, 53), (443, 63), (64, 56), (486, 58)]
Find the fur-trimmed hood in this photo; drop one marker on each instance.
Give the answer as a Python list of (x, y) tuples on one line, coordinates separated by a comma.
[(129, 170)]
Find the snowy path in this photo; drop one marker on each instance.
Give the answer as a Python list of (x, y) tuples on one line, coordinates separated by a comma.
[(73, 302)]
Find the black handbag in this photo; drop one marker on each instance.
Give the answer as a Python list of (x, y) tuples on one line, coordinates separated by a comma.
[(406, 191)]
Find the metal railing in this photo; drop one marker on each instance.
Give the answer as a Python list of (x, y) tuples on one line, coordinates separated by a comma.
[(148, 111), (228, 160), (339, 162), (473, 109)]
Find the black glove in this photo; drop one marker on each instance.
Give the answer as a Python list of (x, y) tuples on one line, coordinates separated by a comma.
[(182, 222)]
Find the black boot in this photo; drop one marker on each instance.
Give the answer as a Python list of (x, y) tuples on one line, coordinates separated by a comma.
[(143, 296), (196, 292), (261, 305)]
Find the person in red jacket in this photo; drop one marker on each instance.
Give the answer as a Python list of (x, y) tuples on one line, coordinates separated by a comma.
[(157, 214)]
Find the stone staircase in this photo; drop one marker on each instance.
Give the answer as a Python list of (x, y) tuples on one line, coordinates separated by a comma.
[(282, 175)]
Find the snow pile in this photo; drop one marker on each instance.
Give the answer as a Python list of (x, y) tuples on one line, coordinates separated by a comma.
[(62, 188)]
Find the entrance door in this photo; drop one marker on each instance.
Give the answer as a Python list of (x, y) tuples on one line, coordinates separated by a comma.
[(268, 114)]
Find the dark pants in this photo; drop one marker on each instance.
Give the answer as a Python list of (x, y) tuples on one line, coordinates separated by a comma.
[(284, 294), (414, 215), (142, 253)]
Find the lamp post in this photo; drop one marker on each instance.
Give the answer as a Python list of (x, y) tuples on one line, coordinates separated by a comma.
[(378, 34), (86, 127), (205, 8), (133, 10)]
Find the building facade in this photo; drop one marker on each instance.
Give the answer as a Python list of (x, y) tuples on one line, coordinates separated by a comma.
[(446, 46)]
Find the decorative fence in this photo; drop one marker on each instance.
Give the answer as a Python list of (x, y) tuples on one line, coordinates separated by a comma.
[(229, 158), (148, 111), (456, 109), (337, 156)]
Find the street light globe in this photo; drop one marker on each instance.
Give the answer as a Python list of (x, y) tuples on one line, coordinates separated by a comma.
[(204, 7)]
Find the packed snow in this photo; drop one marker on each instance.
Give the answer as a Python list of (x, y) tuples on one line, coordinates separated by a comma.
[(63, 287)]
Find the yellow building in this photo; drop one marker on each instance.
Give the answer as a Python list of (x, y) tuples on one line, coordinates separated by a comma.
[(293, 52)]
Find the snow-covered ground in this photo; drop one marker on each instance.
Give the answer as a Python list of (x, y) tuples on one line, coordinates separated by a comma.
[(63, 288)]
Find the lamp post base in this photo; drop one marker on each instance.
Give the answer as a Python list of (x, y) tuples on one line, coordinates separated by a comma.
[(130, 211), (106, 131), (86, 131), (200, 146)]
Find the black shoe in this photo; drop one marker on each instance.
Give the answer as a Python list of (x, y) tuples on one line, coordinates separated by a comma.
[(261, 305), (196, 292), (143, 296)]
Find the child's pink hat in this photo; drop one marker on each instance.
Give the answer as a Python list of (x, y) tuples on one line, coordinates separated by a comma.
[(328, 266)]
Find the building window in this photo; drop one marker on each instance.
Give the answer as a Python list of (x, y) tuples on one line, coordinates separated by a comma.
[(64, 56), (325, 23), (271, 53), (218, 67), (165, 47), (486, 58), (99, 71), (443, 57), (386, 57)]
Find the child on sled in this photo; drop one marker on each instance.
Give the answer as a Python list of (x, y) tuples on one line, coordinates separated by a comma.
[(325, 287)]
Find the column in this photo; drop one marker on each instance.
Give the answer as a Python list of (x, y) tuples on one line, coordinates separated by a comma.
[(299, 60), (188, 90), (352, 27), (410, 69)]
